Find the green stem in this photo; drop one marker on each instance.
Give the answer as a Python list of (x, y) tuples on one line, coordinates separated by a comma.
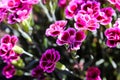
[(46, 11)]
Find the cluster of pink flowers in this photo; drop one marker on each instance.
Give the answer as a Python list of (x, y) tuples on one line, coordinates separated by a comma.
[(8, 55), (116, 3), (47, 63), (70, 37), (113, 34), (87, 14), (14, 11)]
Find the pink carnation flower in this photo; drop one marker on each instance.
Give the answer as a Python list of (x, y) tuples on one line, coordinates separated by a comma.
[(56, 28), (49, 59), (93, 73), (9, 71), (71, 38)]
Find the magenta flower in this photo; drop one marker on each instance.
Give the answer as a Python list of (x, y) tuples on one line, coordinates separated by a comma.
[(3, 14), (62, 3), (9, 39), (6, 52), (85, 22), (102, 18), (112, 34), (71, 38), (71, 10), (113, 37), (9, 71), (49, 59), (16, 10), (37, 72), (55, 28), (93, 73), (10, 56), (4, 48), (91, 7), (116, 3)]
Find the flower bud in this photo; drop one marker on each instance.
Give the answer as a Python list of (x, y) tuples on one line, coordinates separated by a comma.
[(18, 63), (18, 49), (60, 66), (19, 72)]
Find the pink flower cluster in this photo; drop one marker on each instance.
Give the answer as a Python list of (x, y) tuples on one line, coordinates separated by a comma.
[(8, 55), (15, 10), (113, 34), (70, 37), (87, 14), (116, 3)]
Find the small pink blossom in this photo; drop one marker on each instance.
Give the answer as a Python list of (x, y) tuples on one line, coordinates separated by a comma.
[(70, 10), (113, 37), (56, 28), (93, 73), (49, 59), (85, 22), (9, 71), (71, 38), (62, 3), (6, 52)]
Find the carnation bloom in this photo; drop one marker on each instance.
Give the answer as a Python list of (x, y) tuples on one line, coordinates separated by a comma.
[(37, 72), (62, 3), (85, 22), (3, 13), (81, 9), (9, 71), (16, 10), (116, 3), (113, 37), (55, 28), (72, 38), (93, 73), (7, 43), (112, 34), (49, 59)]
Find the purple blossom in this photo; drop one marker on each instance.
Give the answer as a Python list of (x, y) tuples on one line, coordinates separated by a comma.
[(49, 59), (93, 73), (3, 13), (113, 37), (4, 48), (10, 56), (7, 39), (70, 10), (91, 7), (116, 3), (71, 38), (55, 28), (9, 71), (112, 34), (37, 72), (16, 10), (6, 52), (62, 3), (85, 22)]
